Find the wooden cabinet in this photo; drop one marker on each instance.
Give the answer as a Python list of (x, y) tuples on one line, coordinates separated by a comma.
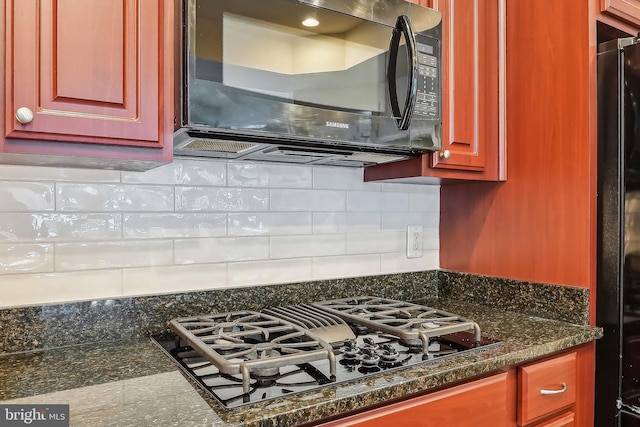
[(470, 114), (539, 225), (552, 392), (473, 139), (622, 18), (558, 406), (96, 77), (547, 388), (627, 10), (566, 419), (486, 402)]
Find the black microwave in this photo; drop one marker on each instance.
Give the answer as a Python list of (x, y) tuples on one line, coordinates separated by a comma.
[(341, 82)]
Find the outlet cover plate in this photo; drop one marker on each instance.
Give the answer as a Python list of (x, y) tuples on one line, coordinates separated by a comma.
[(415, 237)]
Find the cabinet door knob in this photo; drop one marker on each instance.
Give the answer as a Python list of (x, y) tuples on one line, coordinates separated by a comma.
[(560, 390), (446, 154), (24, 115)]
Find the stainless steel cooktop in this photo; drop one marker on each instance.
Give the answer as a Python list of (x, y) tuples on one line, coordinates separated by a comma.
[(244, 357)]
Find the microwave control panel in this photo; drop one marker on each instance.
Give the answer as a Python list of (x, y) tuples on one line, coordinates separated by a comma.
[(428, 91)]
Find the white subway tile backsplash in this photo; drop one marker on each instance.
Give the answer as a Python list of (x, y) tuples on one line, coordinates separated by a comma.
[(267, 175), (198, 251), (185, 172), (28, 289), (121, 254), (410, 188), (346, 266), (342, 179), (329, 222), (26, 258), (269, 272), (359, 222), (42, 173), (431, 219), (427, 202), (382, 242), (110, 197), (400, 220), (174, 225), (181, 278), (57, 227), (273, 224), (307, 200), (341, 222), (398, 262), (221, 199), (307, 246), (375, 201), (26, 196), (77, 234)]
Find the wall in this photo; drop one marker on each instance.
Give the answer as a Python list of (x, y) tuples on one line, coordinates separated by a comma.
[(72, 234)]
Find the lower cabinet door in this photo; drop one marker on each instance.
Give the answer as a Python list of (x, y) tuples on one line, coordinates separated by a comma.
[(487, 402)]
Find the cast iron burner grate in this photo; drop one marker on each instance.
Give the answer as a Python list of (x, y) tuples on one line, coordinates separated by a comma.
[(414, 324), (251, 344)]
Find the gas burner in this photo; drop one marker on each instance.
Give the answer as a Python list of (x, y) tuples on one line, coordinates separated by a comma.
[(369, 357), (369, 369), (388, 353), (349, 362), (351, 349), (369, 344), (263, 379), (264, 351), (412, 343)]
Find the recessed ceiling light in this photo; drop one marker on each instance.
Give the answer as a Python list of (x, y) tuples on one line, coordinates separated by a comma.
[(310, 22)]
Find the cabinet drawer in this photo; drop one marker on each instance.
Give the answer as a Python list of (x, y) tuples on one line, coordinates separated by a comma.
[(481, 403), (545, 387), (567, 419)]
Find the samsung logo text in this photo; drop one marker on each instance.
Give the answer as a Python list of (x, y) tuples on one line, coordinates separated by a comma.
[(337, 125)]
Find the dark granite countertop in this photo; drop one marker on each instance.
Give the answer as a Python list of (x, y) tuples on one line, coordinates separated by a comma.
[(133, 383)]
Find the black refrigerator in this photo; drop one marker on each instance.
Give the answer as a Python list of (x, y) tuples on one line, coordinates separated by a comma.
[(617, 394)]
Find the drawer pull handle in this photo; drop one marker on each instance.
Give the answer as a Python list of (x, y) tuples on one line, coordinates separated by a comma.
[(562, 390)]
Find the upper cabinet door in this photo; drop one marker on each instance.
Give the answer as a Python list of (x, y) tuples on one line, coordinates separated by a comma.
[(627, 10), (470, 83), (84, 71)]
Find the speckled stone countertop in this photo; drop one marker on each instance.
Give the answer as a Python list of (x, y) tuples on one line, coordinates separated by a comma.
[(132, 383)]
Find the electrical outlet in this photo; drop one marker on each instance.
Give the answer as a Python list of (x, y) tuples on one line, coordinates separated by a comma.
[(414, 241)]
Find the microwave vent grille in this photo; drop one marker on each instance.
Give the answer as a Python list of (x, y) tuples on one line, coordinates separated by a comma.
[(220, 146), (375, 158)]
